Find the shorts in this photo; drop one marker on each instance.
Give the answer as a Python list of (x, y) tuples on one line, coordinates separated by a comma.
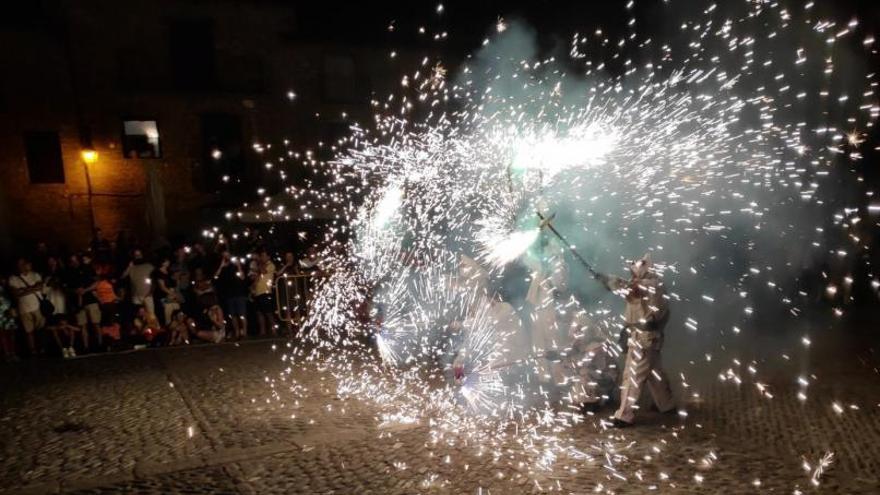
[(236, 306), (32, 321), (265, 303), (146, 302), (91, 313)]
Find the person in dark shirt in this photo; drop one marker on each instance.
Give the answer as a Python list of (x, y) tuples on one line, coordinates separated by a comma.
[(80, 279), (233, 286), (166, 299)]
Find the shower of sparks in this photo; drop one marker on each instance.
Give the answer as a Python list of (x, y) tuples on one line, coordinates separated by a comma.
[(718, 151)]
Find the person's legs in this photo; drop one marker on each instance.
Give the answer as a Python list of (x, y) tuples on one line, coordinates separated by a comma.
[(638, 367), (242, 313), (93, 313), (261, 323), (55, 331), (83, 323), (270, 320), (29, 324), (170, 308), (658, 384), (243, 328), (149, 305), (7, 343)]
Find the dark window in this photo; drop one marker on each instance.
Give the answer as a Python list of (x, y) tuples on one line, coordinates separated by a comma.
[(222, 151), (191, 44), (140, 139), (44, 162), (340, 80)]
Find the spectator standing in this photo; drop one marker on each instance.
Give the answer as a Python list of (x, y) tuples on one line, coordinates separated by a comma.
[(233, 287), (262, 287), (290, 265), (53, 286), (27, 286), (107, 299), (310, 264), (179, 269), (167, 298), (89, 315), (139, 274)]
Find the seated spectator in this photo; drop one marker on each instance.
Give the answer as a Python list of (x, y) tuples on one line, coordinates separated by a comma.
[(7, 327), (27, 287), (215, 330), (178, 327), (146, 327), (62, 325)]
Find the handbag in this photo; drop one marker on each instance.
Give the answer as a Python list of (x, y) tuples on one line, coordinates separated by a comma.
[(47, 309)]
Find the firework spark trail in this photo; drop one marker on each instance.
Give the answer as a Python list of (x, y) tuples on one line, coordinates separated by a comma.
[(709, 155)]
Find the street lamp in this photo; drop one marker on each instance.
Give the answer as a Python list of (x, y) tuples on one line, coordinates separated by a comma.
[(89, 156)]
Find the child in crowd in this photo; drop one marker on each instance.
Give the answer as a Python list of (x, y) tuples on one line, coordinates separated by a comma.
[(179, 328), (146, 326), (63, 324), (216, 326)]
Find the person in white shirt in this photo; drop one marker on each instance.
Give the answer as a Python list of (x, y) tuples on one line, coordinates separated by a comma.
[(262, 289), (139, 273), (27, 287)]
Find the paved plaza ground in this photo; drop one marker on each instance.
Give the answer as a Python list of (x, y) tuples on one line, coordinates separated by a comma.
[(201, 419)]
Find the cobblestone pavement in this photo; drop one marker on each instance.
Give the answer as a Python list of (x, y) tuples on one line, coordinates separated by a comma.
[(202, 419)]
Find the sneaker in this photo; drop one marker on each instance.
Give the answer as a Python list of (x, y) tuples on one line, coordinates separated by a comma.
[(619, 423), (71, 352), (65, 353)]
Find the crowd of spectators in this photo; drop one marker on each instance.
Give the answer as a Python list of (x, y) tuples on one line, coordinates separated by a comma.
[(116, 295)]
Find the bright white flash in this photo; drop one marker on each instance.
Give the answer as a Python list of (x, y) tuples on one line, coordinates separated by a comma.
[(502, 250), (582, 147), (387, 207)]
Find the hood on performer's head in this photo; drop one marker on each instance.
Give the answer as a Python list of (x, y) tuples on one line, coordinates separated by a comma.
[(641, 268)]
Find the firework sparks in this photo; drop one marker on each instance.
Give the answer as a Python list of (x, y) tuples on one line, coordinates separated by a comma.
[(701, 154)]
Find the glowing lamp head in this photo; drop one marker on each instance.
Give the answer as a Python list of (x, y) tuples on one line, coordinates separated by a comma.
[(89, 155)]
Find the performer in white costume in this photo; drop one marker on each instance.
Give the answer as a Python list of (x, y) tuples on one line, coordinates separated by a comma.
[(645, 317)]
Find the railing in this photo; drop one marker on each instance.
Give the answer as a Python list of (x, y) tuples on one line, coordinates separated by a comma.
[(292, 297)]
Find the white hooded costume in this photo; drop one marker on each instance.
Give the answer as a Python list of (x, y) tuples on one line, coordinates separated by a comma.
[(546, 334), (645, 316)]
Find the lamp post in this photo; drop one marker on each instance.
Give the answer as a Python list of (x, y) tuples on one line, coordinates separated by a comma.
[(89, 156)]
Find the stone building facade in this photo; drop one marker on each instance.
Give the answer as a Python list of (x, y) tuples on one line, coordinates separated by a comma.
[(185, 88)]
